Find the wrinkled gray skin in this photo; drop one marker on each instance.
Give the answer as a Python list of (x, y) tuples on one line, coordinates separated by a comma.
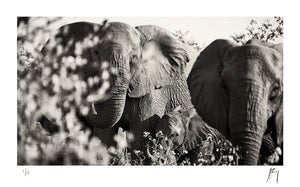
[(188, 132), (239, 91), (150, 80)]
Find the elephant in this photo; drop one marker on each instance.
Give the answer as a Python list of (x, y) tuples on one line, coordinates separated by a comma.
[(238, 89), (149, 81), (189, 134)]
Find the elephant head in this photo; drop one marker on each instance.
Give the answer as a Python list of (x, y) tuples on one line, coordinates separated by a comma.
[(145, 58), (187, 130), (116, 45), (239, 90)]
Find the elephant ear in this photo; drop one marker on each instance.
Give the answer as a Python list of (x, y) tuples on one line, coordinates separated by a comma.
[(162, 60), (276, 124), (205, 85), (153, 71), (279, 123), (278, 117), (279, 48), (177, 52)]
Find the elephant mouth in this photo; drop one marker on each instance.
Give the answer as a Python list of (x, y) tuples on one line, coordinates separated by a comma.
[(269, 142)]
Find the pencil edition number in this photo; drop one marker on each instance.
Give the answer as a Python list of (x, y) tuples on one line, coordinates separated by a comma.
[(25, 172)]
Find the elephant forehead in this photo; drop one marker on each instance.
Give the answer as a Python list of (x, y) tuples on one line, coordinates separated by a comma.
[(254, 61), (123, 34)]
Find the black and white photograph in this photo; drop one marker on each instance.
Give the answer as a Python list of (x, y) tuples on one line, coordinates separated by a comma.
[(149, 93), (105, 92)]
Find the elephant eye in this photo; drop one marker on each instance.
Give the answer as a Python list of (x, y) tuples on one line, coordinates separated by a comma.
[(275, 92), (134, 59)]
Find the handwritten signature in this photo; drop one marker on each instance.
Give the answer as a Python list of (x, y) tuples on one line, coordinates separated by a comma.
[(272, 172)]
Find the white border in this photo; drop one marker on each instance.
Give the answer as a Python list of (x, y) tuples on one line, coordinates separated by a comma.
[(12, 175)]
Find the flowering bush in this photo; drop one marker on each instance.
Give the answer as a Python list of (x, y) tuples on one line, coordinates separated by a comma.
[(185, 37), (60, 83), (159, 152), (269, 30)]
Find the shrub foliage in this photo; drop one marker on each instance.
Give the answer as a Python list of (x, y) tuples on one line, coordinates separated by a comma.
[(267, 31)]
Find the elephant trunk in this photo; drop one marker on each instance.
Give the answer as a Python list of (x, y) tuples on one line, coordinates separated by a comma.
[(248, 121), (249, 144), (109, 112)]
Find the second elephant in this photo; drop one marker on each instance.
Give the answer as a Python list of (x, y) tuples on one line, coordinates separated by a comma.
[(238, 89)]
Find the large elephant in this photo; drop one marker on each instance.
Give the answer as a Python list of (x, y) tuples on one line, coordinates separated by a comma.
[(238, 89), (149, 80)]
